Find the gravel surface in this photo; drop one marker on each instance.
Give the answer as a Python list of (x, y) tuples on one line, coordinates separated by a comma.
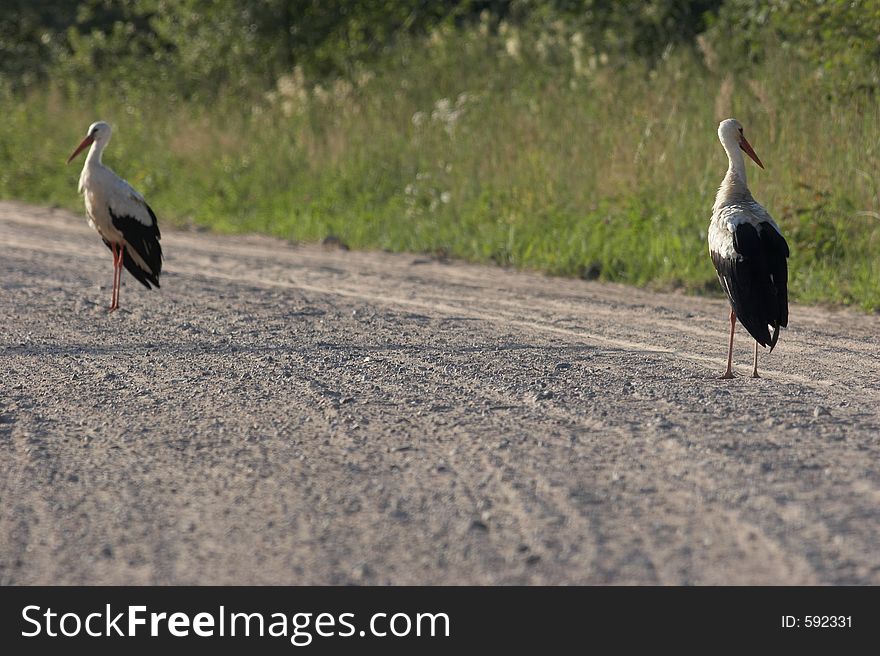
[(308, 415)]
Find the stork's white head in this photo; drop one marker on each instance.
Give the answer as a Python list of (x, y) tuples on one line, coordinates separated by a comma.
[(99, 133), (730, 132)]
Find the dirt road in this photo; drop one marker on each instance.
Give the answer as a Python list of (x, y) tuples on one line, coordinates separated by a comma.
[(290, 414)]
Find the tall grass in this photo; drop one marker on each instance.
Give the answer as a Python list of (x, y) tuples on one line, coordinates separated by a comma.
[(519, 149)]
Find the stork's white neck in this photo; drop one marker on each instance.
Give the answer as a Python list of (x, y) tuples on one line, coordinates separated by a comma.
[(95, 153), (93, 164), (734, 185)]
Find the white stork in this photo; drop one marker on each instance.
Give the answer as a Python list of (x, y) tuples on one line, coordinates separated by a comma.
[(748, 251), (120, 215)]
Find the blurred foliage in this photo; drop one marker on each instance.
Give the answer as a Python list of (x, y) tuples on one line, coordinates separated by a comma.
[(624, 27), (30, 38), (203, 44), (196, 48), (841, 38)]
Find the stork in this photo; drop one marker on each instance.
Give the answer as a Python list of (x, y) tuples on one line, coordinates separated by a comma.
[(748, 251), (120, 214)]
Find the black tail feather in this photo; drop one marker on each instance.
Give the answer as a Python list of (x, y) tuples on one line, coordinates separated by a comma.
[(139, 274)]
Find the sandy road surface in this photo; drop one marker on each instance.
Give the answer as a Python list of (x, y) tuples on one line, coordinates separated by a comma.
[(281, 414)]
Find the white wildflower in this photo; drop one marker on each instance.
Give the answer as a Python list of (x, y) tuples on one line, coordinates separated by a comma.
[(320, 94), (512, 46), (365, 77), (441, 108)]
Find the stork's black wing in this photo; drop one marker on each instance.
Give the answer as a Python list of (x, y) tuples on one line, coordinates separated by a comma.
[(144, 239), (757, 281)]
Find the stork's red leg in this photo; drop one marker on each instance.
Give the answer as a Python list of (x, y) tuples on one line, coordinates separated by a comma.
[(119, 275), (118, 278), (729, 372), (755, 371), (115, 274)]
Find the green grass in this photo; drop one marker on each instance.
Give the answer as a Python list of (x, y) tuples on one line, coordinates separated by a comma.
[(542, 160)]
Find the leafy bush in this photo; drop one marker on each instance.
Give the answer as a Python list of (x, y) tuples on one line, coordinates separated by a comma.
[(838, 37), (200, 47)]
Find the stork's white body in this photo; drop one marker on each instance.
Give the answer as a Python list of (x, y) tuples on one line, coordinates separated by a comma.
[(119, 214), (103, 192)]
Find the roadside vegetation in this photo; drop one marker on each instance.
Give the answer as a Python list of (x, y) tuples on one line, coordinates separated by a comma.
[(575, 138)]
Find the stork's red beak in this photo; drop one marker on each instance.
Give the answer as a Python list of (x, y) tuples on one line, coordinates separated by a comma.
[(85, 143), (747, 149)]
